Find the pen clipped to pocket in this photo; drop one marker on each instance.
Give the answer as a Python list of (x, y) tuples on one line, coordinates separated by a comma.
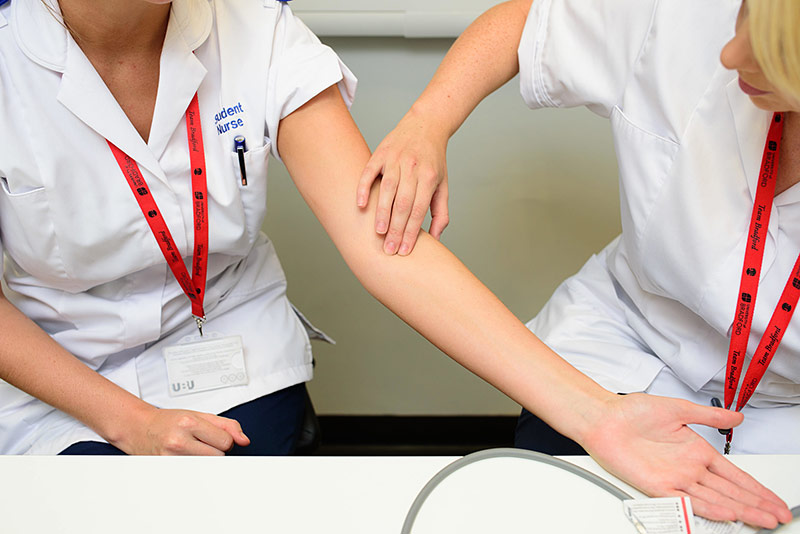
[(240, 147)]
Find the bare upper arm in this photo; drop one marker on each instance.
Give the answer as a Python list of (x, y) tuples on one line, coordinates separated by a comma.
[(523, 5), (325, 155)]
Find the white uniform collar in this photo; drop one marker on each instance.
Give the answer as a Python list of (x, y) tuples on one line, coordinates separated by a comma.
[(42, 37), (85, 95), (752, 124)]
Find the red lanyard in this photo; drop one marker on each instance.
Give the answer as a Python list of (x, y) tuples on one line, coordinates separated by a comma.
[(195, 285), (748, 288)]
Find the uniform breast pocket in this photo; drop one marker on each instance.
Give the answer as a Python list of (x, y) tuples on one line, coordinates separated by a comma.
[(250, 168), (28, 229)]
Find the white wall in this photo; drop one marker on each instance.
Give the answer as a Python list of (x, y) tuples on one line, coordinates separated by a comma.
[(533, 194), (399, 18)]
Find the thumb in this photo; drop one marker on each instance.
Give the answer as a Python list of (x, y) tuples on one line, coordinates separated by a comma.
[(231, 426), (710, 416), (368, 177), (440, 217)]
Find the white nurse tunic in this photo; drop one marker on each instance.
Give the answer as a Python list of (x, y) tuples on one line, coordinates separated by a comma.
[(80, 259), (652, 312)]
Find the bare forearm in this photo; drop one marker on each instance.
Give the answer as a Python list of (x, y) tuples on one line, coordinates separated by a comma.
[(481, 60), (430, 289), (31, 361), (435, 294)]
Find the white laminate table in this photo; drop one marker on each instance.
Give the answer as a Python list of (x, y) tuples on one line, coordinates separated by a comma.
[(352, 495)]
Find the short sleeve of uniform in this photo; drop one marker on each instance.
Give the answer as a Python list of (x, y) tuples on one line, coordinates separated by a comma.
[(2, 23), (302, 67), (582, 52)]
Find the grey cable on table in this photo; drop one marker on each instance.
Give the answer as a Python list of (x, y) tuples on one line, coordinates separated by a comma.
[(537, 457), (504, 453)]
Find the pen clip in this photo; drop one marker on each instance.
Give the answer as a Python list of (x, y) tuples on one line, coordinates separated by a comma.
[(240, 146)]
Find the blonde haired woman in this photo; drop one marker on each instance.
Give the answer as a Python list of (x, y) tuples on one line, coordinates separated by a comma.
[(774, 28), (705, 274)]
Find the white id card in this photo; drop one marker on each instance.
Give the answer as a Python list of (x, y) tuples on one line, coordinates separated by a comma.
[(673, 515), (197, 364), (670, 515)]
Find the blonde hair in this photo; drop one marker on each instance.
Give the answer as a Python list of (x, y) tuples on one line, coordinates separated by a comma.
[(775, 37)]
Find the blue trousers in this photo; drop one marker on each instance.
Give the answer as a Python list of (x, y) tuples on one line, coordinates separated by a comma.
[(535, 435), (272, 422)]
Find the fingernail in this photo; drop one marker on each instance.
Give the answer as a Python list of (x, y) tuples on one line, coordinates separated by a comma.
[(381, 227), (244, 436), (389, 247), (362, 201), (404, 249)]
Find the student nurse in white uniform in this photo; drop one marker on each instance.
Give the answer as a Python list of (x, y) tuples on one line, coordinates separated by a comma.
[(141, 299), (703, 100)]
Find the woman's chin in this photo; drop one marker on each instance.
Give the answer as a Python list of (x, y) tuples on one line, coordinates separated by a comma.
[(772, 102)]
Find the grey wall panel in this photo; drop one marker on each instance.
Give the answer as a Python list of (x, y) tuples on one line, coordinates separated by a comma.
[(533, 195)]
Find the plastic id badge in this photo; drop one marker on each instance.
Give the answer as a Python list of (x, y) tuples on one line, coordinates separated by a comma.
[(203, 363)]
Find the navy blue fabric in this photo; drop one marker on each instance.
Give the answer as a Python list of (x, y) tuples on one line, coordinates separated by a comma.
[(96, 448), (535, 435), (272, 422), (3, 2)]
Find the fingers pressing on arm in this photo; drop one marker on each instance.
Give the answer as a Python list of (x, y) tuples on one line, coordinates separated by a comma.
[(488, 47), (440, 216), (415, 191), (411, 165)]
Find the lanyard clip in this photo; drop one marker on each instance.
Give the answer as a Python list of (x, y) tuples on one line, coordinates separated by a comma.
[(200, 322), (727, 432)]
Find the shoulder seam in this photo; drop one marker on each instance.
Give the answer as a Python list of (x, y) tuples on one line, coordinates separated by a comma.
[(540, 91), (639, 53)]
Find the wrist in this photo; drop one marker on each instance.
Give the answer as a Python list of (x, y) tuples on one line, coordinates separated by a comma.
[(432, 120), (132, 416), (591, 415)]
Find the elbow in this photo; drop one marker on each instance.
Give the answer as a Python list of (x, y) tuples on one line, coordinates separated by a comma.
[(378, 272)]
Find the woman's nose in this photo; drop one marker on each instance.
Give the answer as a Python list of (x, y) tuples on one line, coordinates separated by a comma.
[(737, 54)]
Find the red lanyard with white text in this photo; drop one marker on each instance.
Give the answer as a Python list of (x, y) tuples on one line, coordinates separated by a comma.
[(195, 285), (748, 288)]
